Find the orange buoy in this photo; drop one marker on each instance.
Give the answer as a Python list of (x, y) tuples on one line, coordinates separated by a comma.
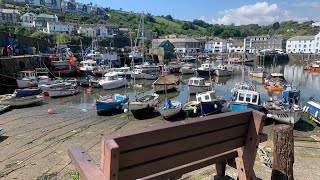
[(94, 105), (89, 90), (50, 111)]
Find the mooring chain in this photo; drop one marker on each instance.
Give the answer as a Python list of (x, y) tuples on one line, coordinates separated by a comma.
[(263, 156)]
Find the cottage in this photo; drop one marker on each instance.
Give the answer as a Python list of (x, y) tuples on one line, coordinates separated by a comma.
[(237, 46), (59, 27), (300, 44), (99, 31), (27, 19), (181, 44), (216, 45)]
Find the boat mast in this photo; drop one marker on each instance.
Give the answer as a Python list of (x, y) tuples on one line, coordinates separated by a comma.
[(142, 33)]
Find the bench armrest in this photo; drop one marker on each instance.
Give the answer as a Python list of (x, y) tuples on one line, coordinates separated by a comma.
[(86, 167)]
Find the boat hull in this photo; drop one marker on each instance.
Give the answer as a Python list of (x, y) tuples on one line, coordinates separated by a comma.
[(26, 83), (164, 88), (138, 106), (170, 112), (28, 92), (207, 108), (313, 108), (20, 101), (221, 73), (205, 72), (259, 74), (187, 71), (55, 93), (285, 116), (113, 85), (239, 106)]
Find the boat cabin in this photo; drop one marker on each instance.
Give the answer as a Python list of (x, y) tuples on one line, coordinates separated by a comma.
[(242, 86), (222, 67), (122, 69), (111, 76), (196, 81), (208, 96), (246, 96), (89, 64), (28, 74), (206, 66), (277, 76)]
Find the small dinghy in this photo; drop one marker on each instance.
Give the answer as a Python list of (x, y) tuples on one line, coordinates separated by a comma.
[(27, 92), (145, 102), (110, 103), (63, 91), (13, 101), (190, 108), (169, 108)]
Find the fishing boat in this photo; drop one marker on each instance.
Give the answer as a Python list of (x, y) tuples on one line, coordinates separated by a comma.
[(87, 67), (244, 99), (54, 84), (281, 108), (206, 69), (259, 72), (241, 86), (207, 103), (198, 85), (187, 69), (110, 103), (313, 67), (63, 91), (26, 79), (112, 81), (101, 70), (13, 101), (61, 66), (275, 77), (27, 92), (274, 86), (246, 61), (138, 74), (169, 108), (222, 70), (143, 103), (4, 108), (165, 84)]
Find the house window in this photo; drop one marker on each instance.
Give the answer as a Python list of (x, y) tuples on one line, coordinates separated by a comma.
[(289, 45), (305, 46), (305, 41)]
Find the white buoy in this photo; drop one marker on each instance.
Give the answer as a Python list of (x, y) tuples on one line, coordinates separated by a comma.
[(125, 110), (195, 111), (215, 106)]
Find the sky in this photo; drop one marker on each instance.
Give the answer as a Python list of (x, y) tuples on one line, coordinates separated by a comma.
[(238, 12)]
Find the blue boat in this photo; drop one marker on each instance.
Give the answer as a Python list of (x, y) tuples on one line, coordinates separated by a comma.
[(27, 92), (290, 94), (209, 103), (110, 102), (245, 99), (313, 108)]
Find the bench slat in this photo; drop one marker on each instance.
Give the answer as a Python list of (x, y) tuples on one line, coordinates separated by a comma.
[(150, 168), (178, 171), (170, 131), (86, 167), (181, 145)]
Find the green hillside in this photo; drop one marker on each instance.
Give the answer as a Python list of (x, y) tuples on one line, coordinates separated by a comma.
[(164, 25)]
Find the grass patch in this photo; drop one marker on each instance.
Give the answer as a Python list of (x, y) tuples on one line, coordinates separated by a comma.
[(75, 176)]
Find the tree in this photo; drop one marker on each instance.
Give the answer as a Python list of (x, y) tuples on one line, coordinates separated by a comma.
[(169, 17), (200, 23), (276, 25)]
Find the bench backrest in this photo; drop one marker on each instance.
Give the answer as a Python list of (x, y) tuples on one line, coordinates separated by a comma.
[(156, 149)]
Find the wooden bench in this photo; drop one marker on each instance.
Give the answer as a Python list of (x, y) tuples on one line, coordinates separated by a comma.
[(173, 149)]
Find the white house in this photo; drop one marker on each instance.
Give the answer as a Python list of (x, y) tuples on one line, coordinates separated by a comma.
[(59, 27), (315, 24), (317, 43), (300, 44), (11, 15), (236, 46), (216, 45), (88, 31), (99, 31), (27, 19)]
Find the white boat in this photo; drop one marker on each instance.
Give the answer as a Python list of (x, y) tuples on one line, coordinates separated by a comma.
[(284, 114), (27, 79), (223, 71), (206, 69), (198, 85), (63, 91), (144, 102), (124, 72), (112, 81), (13, 101), (138, 74), (187, 69), (87, 67), (259, 72), (169, 108)]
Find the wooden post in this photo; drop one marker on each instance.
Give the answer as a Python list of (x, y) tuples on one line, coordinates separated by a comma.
[(283, 153)]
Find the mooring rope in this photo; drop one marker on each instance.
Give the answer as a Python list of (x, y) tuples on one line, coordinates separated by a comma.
[(263, 156)]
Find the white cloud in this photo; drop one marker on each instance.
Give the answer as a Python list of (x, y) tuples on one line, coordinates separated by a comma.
[(259, 13)]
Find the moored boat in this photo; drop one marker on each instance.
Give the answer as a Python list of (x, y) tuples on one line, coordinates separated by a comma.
[(206, 69), (169, 108), (112, 81), (27, 92), (222, 70), (313, 109), (145, 102), (198, 85), (282, 112), (110, 103), (259, 72), (13, 101), (4, 108), (244, 99), (209, 103), (187, 69), (63, 91)]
